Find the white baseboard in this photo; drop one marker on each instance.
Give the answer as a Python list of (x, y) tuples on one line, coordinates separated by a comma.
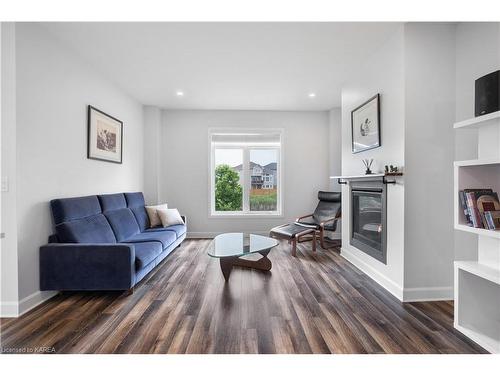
[(213, 234), (386, 283), (444, 293), (33, 300), (9, 309), (403, 294)]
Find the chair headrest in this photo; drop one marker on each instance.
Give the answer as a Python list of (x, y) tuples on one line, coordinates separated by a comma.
[(329, 196)]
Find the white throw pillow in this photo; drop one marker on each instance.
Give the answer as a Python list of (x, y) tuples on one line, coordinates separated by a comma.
[(170, 217), (154, 219)]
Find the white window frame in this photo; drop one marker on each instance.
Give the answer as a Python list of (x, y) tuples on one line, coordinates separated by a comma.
[(246, 175)]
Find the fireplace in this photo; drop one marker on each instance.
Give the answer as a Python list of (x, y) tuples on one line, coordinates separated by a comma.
[(368, 218)]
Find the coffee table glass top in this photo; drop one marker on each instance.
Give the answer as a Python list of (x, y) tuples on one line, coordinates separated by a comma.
[(239, 244)]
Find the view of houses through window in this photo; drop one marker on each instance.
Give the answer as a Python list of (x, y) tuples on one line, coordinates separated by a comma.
[(264, 180), (245, 177)]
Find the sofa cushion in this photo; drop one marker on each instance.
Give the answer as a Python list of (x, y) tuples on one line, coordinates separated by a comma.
[(170, 217), (141, 217), (179, 229), (145, 253), (111, 202), (165, 237), (91, 229), (67, 209), (135, 201), (123, 223), (152, 211)]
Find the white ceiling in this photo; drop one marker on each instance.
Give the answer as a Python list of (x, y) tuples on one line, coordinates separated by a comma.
[(259, 66)]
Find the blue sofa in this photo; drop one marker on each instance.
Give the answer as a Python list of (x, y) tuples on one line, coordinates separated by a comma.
[(103, 242)]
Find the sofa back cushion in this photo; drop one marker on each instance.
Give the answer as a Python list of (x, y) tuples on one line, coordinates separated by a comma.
[(105, 218), (90, 229), (111, 202), (135, 201), (67, 209), (123, 223)]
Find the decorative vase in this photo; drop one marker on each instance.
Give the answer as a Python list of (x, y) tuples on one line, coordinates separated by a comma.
[(368, 163)]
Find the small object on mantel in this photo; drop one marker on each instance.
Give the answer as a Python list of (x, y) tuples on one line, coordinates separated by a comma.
[(368, 163), (391, 170)]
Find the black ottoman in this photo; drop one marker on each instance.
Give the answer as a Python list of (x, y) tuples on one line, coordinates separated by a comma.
[(292, 233)]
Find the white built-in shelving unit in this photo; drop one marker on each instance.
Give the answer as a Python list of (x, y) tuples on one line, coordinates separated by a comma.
[(477, 282), (480, 121)]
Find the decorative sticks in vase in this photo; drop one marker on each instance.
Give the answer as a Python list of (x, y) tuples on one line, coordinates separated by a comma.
[(368, 163)]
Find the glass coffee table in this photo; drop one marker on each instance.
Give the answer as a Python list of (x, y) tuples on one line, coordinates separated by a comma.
[(230, 247)]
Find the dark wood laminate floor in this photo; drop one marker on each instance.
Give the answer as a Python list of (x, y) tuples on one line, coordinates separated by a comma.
[(315, 303)]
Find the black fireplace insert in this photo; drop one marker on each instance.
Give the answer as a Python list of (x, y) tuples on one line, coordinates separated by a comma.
[(368, 218)]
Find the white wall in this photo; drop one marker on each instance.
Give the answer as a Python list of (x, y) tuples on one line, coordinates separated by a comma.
[(185, 154), (335, 146), (335, 156), (381, 73), (54, 88), (152, 143), (477, 54), (9, 275), (429, 155)]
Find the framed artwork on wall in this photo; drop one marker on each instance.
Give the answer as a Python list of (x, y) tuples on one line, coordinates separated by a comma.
[(365, 125), (104, 137)]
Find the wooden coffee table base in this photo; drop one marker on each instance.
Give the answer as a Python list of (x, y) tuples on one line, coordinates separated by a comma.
[(227, 263)]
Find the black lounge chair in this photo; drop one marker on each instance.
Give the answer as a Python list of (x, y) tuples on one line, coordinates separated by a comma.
[(324, 218)]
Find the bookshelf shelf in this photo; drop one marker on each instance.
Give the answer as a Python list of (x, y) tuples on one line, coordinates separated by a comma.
[(481, 270), (487, 342), (477, 281), (477, 287), (476, 162), (475, 174), (476, 122), (478, 231)]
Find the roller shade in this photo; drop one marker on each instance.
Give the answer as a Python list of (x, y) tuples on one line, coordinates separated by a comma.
[(248, 138)]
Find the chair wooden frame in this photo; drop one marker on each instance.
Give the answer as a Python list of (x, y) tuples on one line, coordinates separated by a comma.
[(320, 232)]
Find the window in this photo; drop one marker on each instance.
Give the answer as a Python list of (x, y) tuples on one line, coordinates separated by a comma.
[(245, 172)]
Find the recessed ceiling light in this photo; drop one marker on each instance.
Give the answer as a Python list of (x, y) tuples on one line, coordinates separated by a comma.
[(179, 93), (312, 95)]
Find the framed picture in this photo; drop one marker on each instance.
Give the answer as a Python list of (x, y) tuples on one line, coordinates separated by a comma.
[(105, 136), (365, 124)]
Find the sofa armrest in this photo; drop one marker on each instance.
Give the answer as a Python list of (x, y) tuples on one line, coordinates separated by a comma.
[(184, 219), (75, 266)]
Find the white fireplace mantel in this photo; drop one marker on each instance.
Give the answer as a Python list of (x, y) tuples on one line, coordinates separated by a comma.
[(373, 176)]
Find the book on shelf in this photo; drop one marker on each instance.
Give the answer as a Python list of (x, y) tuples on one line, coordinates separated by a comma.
[(477, 204), (472, 207), (465, 207), (493, 219)]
